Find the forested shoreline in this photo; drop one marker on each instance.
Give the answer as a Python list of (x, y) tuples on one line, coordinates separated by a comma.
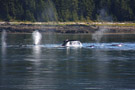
[(68, 27), (67, 10)]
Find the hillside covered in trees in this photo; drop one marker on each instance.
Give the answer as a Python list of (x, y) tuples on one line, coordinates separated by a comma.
[(67, 10)]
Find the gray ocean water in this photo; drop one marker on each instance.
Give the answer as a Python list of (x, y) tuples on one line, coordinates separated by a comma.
[(48, 66)]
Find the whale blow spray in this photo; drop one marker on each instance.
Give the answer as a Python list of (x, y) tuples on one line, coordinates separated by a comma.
[(36, 35)]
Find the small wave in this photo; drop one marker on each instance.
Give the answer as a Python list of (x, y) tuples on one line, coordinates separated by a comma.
[(112, 46)]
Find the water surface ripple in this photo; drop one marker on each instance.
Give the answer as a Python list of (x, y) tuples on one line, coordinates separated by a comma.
[(48, 66)]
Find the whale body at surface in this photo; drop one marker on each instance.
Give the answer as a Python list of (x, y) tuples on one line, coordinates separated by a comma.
[(72, 43)]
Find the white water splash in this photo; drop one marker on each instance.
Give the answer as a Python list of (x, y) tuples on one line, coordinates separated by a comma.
[(3, 43), (36, 35), (3, 38)]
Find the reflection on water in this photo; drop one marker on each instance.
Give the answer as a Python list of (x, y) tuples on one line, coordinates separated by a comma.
[(73, 50), (101, 65), (48, 66), (36, 52)]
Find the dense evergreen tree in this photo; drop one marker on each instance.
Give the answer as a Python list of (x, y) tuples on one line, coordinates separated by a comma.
[(86, 8), (67, 10)]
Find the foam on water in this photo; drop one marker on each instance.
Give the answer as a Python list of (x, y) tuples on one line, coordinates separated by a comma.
[(114, 46), (109, 46)]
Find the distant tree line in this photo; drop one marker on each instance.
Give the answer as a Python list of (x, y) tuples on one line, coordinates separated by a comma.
[(67, 10)]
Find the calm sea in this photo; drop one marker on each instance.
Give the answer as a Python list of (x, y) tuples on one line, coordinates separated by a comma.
[(48, 66)]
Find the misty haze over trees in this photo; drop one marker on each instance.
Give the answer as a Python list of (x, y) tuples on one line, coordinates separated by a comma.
[(66, 10)]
